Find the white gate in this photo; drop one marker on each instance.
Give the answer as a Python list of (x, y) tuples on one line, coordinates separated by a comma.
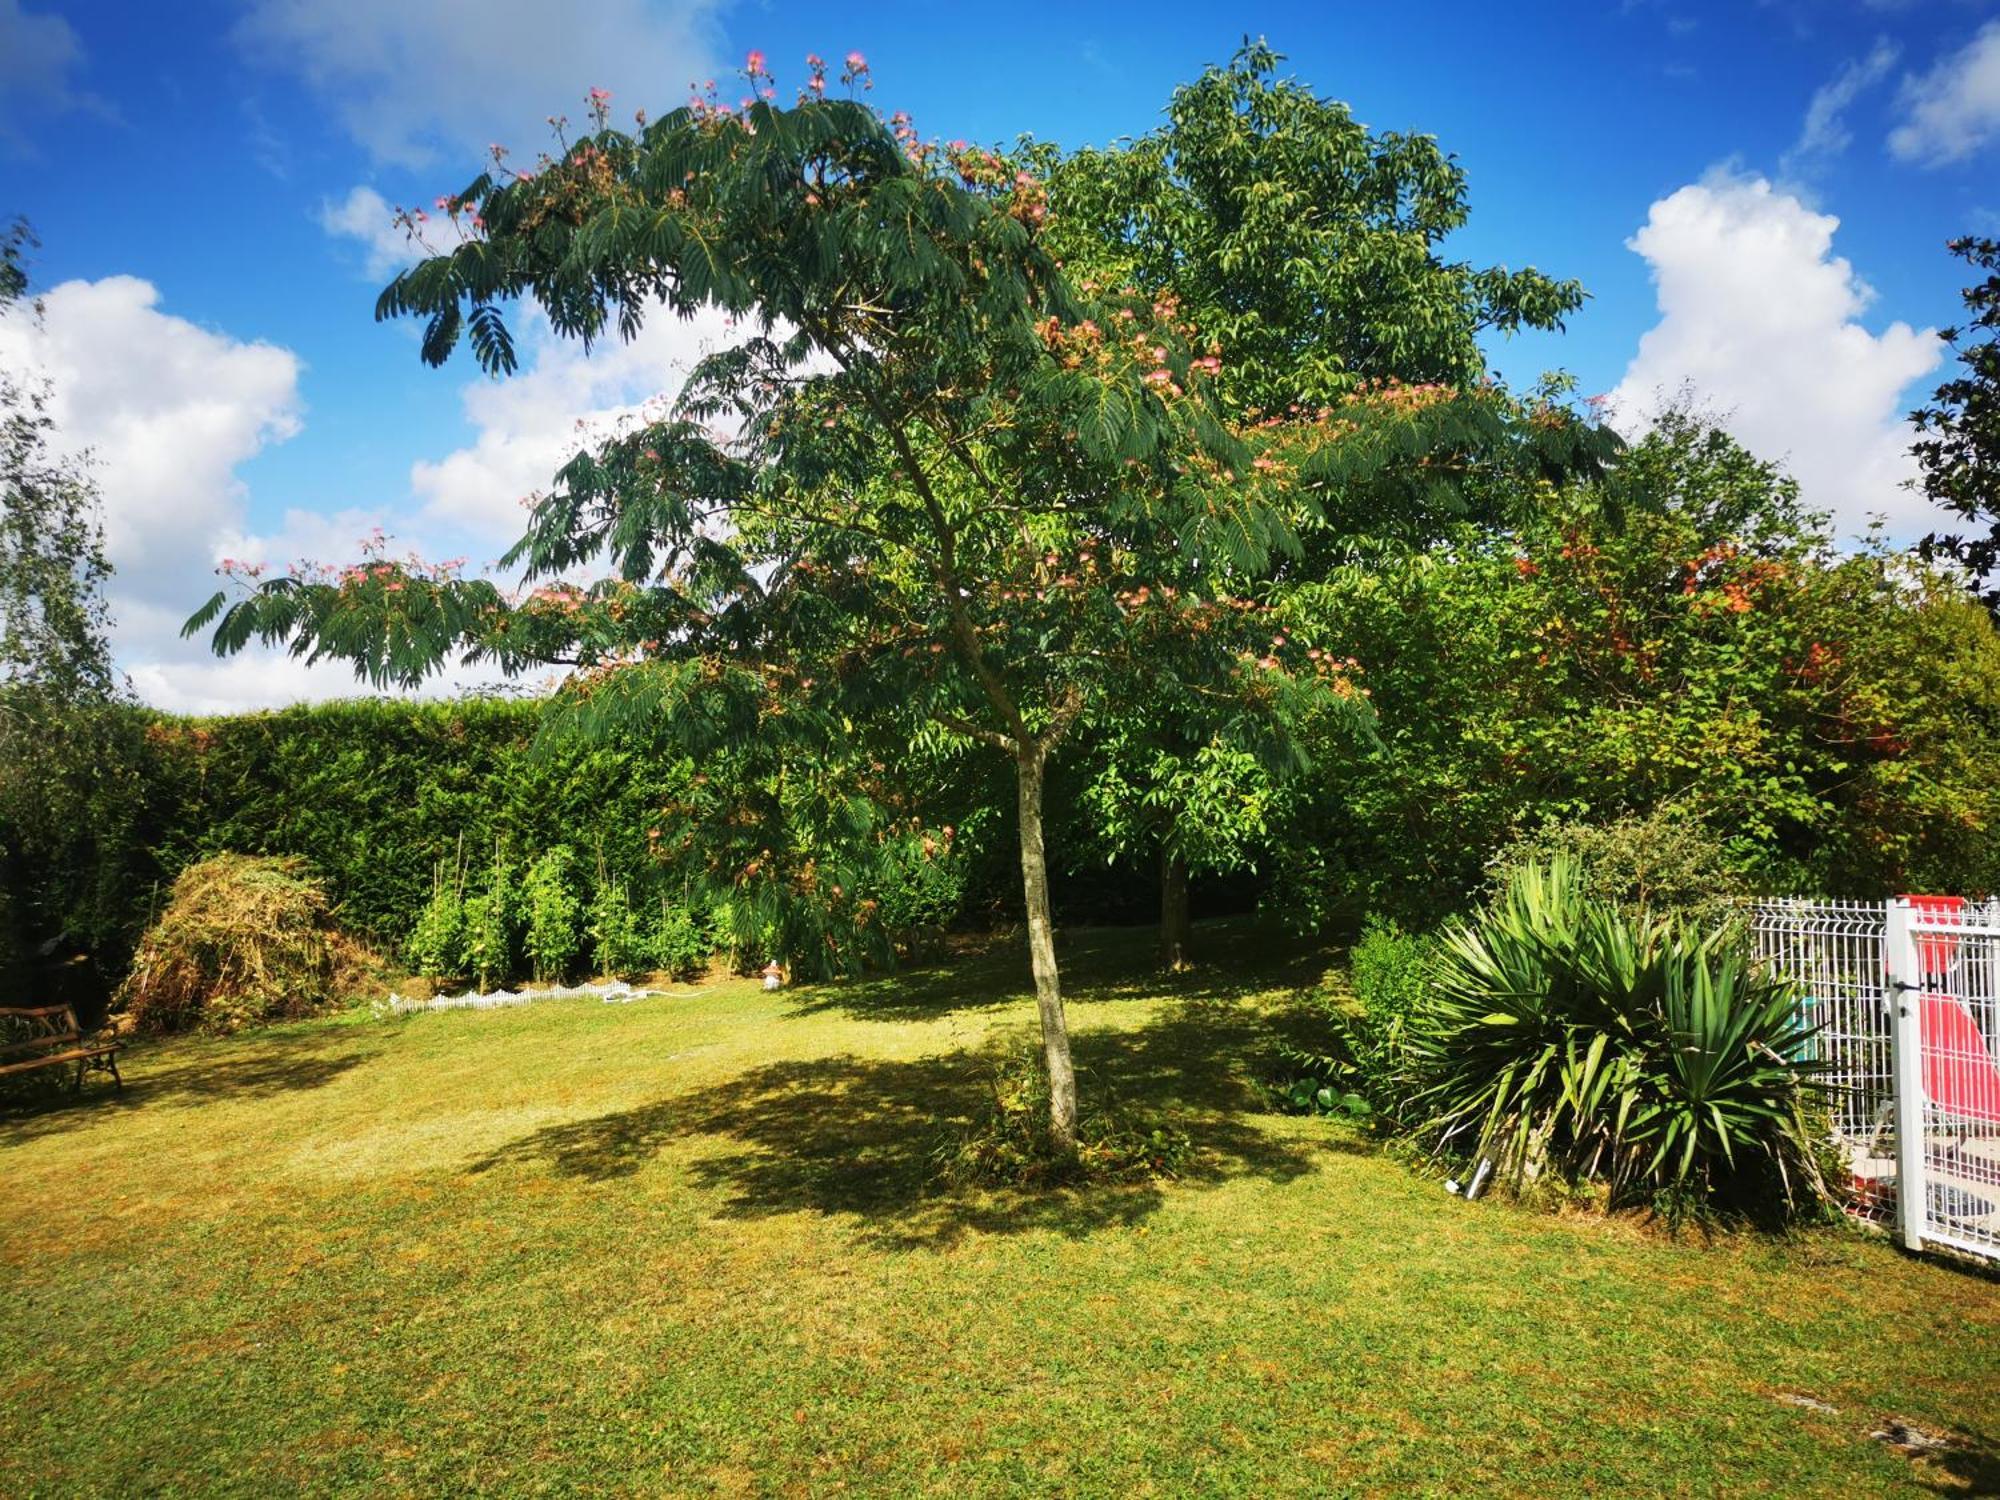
[(1907, 996)]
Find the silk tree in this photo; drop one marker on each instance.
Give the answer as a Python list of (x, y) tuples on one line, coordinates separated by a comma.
[(934, 494)]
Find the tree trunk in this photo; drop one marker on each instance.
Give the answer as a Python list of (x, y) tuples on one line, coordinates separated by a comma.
[(1176, 934), (1042, 954)]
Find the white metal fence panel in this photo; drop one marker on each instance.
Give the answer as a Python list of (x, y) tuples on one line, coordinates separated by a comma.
[(1833, 950), (1957, 1029), (1906, 996)]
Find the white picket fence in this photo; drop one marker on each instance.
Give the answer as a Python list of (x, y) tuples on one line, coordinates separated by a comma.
[(1906, 994)]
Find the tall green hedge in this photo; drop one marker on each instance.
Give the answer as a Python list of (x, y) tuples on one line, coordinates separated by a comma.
[(374, 794), (371, 793)]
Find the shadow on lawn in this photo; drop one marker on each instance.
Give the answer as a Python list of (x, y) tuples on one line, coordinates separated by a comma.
[(1968, 1465), (1237, 957), (219, 1071), (857, 1136)]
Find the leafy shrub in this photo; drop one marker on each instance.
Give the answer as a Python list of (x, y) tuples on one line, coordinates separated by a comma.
[(680, 942), (1561, 1036), (490, 926), (1363, 1075), (1662, 864), (617, 946), (919, 887), (1390, 968), (437, 945), (1323, 1083), (1681, 634), (553, 937), (1008, 1144), (241, 940)]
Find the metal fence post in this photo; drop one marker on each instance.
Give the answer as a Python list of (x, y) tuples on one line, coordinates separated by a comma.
[(1906, 988)]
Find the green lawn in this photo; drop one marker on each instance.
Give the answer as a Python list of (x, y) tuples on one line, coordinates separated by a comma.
[(688, 1245)]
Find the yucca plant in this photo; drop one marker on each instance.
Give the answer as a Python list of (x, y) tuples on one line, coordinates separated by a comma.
[(1507, 1044), (1722, 1103), (1560, 1035)]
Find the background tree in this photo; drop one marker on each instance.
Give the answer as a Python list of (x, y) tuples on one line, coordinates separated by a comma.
[(1307, 255), (1958, 447), (1309, 247), (1679, 638), (932, 493), (53, 618), (58, 783)]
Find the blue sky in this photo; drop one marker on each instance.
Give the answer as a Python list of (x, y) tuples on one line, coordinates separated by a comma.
[(1756, 195)]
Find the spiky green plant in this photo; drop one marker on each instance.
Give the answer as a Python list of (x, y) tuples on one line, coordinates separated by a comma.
[(1561, 1036)]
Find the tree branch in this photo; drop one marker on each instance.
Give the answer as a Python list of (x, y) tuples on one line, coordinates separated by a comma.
[(974, 731)]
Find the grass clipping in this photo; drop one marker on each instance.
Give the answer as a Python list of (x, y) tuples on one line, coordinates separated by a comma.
[(243, 939)]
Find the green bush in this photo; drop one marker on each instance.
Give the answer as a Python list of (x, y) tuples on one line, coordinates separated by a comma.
[(1661, 864), (919, 887), (1390, 968), (553, 931), (1565, 1040), (1362, 1074), (617, 945), (437, 945), (680, 943), (1680, 636), (491, 924)]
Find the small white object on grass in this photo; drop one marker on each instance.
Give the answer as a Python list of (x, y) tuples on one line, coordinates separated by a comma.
[(611, 992), (1479, 1177)]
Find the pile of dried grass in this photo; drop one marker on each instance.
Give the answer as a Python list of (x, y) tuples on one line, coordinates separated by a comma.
[(243, 939)]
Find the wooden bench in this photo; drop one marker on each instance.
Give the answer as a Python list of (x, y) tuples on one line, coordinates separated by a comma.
[(47, 1036)]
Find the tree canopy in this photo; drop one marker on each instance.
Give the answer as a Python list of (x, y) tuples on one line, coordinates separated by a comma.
[(1958, 443), (53, 616), (1309, 247), (934, 491)]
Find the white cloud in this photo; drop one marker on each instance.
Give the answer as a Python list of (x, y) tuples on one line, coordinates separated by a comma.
[(414, 79), (368, 218), (169, 412), (1761, 319), (1824, 131), (39, 54), (528, 425), (1953, 110)]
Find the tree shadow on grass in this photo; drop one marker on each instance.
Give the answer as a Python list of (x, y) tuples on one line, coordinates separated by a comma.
[(858, 1137), (1969, 1464), (249, 1068), (1108, 964)]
